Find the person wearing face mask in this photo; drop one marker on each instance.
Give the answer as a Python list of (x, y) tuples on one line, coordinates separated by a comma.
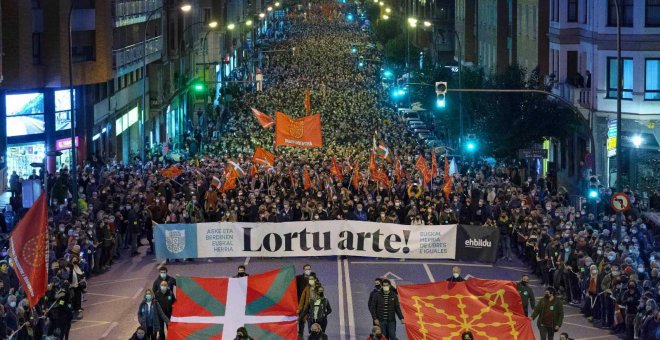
[(165, 297), (607, 301), (309, 295), (374, 291), (591, 307), (526, 294), (385, 309), (318, 310), (139, 334), (151, 315), (650, 327), (630, 299), (376, 334), (550, 314), (241, 271), (302, 279), (316, 333), (455, 275), (163, 276), (11, 319)]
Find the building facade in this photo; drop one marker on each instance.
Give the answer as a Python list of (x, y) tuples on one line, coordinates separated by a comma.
[(583, 59)]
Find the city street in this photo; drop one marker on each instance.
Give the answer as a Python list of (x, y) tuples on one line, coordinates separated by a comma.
[(112, 298)]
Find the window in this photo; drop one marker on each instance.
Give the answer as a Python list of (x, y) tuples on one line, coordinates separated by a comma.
[(63, 110), (652, 12), (572, 10), (652, 87), (36, 48), (626, 13), (84, 46), (627, 78)]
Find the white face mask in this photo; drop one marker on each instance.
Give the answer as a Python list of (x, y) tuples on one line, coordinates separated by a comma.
[(308, 271), (12, 304), (386, 289), (163, 289), (163, 275), (456, 275), (311, 282)]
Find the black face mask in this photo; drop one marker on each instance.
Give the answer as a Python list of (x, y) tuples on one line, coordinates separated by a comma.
[(377, 286), (241, 274)]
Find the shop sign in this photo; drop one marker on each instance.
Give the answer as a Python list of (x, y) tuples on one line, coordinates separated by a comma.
[(64, 144)]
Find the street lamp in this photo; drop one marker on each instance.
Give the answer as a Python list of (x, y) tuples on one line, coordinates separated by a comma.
[(231, 26), (412, 22), (427, 23), (262, 15), (270, 8), (385, 16), (248, 23), (277, 4), (388, 10), (185, 8), (213, 24), (637, 141)]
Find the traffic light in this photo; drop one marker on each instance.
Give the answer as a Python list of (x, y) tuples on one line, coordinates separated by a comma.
[(199, 86), (354, 49), (593, 192), (361, 62), (440, 93), (471, 143), (387, 74)]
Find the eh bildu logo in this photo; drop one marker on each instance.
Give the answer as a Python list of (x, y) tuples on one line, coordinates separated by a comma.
[(477, 243), (175, 240)]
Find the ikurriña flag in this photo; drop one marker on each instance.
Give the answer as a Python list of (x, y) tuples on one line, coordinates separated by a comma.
[(489, 309), (29, 252), (298, 133), (264, 120), (214, 308)]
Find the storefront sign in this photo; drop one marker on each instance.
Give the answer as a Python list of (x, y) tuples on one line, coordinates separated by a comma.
[(611, 146), (301, 239), (477, 243), (533, 153), (64, 144)]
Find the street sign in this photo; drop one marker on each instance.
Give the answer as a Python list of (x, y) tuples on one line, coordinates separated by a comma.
[(620, 202), (532, 153)]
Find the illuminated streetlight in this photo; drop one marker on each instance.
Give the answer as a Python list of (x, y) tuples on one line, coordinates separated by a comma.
[(231, 26), (213, 24), (388, 10), (412, 22), (637, 140), (262, 15), (277, 4), (381, 4), (385, 16), (248, 23), (270, 9), (186, 7), (427, 24)]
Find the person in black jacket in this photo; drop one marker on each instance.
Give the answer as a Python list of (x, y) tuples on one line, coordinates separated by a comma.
[(384, 310), (165, 298), (455, 275), (163, 276), (374, 292), (302, 279), (318, 311), (316, 333)]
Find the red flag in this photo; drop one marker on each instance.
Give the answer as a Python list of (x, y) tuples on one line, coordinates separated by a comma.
[(446, 168), (303, 132), (423, 169), (372, 162), (308, 102), (449, 181), (264, 120), (253, 170), (263, 157), (307, 182), (356, 175), (230, 180), (171, 172), (28, 251), (380, 176), (445, 310), (292, 179), (398, 169), (334, 170), (434, 165)]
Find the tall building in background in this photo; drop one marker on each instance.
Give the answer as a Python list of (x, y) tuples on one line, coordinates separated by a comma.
[(532, 35), (584, 65)]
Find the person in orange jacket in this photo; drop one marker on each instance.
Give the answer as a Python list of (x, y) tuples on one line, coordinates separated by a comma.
[(376, 334)]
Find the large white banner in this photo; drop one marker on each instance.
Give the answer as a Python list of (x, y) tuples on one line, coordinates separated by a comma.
[(319, 238)]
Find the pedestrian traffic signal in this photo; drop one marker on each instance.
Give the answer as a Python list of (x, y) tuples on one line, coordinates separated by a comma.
[(440, 93), (199, 86), (593, 192), (361, 62), (471, 143), (354, 49)]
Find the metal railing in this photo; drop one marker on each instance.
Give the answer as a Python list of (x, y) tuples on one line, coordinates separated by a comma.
[(578, 96), (130, 57), (128, 12)]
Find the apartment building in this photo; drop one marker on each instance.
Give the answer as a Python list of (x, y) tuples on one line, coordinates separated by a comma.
[(532, 35), (583, 50)]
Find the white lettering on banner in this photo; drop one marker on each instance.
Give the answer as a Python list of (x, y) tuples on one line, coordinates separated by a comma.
[(297, 142), (323, 238), (477, 243)]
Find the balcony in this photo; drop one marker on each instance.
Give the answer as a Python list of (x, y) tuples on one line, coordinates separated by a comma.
[(129, 12), (129, 58), (579, 97)]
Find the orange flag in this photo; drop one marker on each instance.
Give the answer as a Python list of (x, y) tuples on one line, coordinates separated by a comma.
[(449, 181), (372, 163), (230, 180), (298, 133), (334, 170), (263, 157), (171, 172), (308, 102), (356, 175), (253, 170), (292, 179), (398, 170), (264, 120), (28, 251), (380, 176), (434, 165), (307, 182), (423, 169)]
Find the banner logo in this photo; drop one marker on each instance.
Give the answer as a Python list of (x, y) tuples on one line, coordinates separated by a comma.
[(297, 128), (477, 243), (175, 240)]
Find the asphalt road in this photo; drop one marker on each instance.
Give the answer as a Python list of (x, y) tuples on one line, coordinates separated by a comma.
[(112, 298)]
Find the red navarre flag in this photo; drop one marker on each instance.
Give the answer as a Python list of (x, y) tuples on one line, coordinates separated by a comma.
[(423, 169), (398, 170), (308, 102), (356, 175), (489, 309), (434, 165), (380, 176), (449, 180), (29, 252), (264, 120), (171, 172), (334, 170)]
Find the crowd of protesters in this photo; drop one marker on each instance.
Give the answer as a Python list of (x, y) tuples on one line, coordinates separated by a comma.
[(582, 250)]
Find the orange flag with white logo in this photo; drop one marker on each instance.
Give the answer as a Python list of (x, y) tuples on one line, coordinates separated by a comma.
[(298, 133)]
